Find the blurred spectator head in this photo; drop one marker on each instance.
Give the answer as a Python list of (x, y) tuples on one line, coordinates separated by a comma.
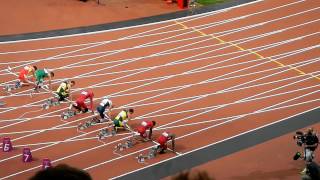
[(61, 172), (198, 175)]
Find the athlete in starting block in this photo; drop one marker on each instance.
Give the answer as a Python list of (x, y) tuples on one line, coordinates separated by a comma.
[(161, 148), (79, 105), (105, 106), (119, 122), (61, 94), (104, 110), (40, 75), (142, 129), (163, 140), (25, 77), (64, 90), (141, 132)]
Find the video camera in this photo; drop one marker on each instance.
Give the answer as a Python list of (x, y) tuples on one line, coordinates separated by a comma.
[(300, 138)]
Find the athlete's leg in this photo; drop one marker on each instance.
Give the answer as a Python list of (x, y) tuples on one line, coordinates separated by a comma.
[(77, 106), (101, 110)]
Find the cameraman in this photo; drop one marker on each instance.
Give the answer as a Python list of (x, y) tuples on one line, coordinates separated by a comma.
[(311, 144)]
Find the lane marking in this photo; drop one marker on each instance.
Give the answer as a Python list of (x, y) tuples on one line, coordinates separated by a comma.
[(214, 143), (189, 134), (171, 123), (194, 17), (243, 49), (101, 128), (184, 111)]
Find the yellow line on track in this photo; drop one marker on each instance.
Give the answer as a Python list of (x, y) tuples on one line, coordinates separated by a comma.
[(248, 50)]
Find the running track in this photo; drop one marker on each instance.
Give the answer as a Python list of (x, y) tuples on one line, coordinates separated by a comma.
[(205, 78)]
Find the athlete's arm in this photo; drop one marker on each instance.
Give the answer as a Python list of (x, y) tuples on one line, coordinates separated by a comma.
[(172, 141), (109, 111), (128, 127), (70, 96), (150, 133), (50, 82), (91, 104), (129, 116), (27, 79), (125, 124)]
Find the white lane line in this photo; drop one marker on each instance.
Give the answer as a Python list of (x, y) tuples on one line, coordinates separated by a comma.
[(235, 116), (227, 74), (178, 126), (198, 109), (190, 110), (194, 17), (66, 141), (217, 142), (177, 120), (99, 146), (206, 26), (236, 102), (180, 137), (301, 50), (235, 41), (150, 79), (172, 100), (54, 144), (99, 69), (106, 42)]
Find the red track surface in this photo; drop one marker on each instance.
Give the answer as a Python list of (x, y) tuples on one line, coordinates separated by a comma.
[(19, 17), (269, 160), (220, 87)]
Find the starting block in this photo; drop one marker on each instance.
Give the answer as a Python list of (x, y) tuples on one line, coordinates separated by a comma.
[(151, 154), (7, 88), (89, 123), (6, 145), (2, 103), (113, 132), (126, 145), (50, 102), (10, 87), (36, 89), (141, 158), (84, 125), (46, 163), (103, 133), (68, 114), (26, 155), (119, 147)]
